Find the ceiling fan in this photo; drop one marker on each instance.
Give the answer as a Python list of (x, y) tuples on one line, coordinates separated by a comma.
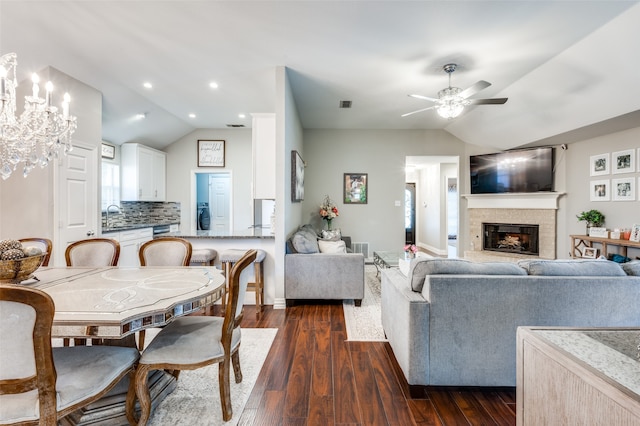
[(452, 100)]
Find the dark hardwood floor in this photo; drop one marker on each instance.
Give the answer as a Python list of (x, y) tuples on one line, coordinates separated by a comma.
[(313, 376)]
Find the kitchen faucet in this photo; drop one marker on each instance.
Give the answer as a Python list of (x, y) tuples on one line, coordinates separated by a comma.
[(107, 211)]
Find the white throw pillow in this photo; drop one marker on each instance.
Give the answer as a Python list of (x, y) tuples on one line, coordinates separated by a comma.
[(332, 246)]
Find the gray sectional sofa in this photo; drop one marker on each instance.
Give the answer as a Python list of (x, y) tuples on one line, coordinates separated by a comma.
[(452, 322), (310, 274)]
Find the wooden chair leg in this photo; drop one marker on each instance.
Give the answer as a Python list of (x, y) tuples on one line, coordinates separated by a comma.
[(225, 393), (142, 393), (237, 371), (131, 400)]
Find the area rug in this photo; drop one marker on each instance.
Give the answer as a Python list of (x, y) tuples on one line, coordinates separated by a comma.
[(364, 323), (196, 399)]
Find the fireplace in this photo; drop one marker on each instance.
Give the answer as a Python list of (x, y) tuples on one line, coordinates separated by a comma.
[(511, 238)]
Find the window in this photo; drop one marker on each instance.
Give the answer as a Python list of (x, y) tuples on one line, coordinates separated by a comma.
[(110, 184)]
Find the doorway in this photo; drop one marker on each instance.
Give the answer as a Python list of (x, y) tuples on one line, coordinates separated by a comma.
[(213, 202), (410, 213)]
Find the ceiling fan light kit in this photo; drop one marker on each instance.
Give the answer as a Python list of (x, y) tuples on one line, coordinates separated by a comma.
[(452, 100)]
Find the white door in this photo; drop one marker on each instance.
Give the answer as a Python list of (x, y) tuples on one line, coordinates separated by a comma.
[(77, 198), (220, 202)]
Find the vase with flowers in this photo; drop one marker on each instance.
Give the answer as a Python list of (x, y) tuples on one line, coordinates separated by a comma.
[(328, 211), (410, 250)]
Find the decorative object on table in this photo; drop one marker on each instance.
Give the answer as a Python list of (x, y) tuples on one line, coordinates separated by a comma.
[(411, 250), (17, 263), (297, 177), (37, 136), (623, 189), (599, 165), (594, 218), (590, 253), (108, 151), (599, 190), (635, 233), (623, 161), (598, 232), (211, 153), (355, 188), (328, 211)]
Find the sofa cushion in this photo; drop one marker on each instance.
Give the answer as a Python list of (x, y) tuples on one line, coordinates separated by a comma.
[(305, 240), (632, 268), (332, 246), (572, 268), (421, 267)]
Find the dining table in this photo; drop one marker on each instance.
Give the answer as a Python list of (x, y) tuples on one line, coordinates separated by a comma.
[(112, 305)]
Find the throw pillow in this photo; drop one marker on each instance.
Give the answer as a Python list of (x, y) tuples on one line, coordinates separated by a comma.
[(332, 235), (332, 246), (632, 268), (573, 268), (305, 241)]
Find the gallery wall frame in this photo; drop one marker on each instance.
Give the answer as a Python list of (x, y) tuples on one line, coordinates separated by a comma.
[(623, 161), (623, 189), (355, 188), (599, 190), (297, 177), (599, 165), (211, 153), (108, 151)]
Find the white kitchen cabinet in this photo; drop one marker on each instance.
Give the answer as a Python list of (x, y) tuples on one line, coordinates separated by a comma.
[(143, 171), (130, 242), (264, 156)]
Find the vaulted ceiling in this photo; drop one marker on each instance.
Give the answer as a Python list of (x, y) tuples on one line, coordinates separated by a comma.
[(569, 68)]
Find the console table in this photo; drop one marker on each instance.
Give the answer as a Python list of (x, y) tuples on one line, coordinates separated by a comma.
[(584, 376), (580, 242)]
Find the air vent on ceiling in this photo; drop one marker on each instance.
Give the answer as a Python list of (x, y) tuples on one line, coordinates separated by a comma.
[(345, 104), (235, 125)]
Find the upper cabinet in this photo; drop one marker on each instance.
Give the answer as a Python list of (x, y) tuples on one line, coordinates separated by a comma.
[(264, 156), (143, 173)]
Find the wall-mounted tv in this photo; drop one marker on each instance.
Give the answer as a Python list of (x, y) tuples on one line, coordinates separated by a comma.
[(524, 170)]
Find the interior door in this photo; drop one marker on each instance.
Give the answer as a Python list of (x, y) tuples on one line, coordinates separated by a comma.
[(410, 213), (78, 200), (220, 202)]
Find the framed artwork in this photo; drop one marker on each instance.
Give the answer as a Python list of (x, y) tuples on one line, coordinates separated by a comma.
[(599, 165), (297, 177), (635, 233), (623, 189), (355, 188), (599, 190), (590, 253), (210, 153), (624, 161), (108, 151)]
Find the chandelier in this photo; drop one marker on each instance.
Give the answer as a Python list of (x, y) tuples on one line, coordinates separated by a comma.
[(450, 103), (36, 137)]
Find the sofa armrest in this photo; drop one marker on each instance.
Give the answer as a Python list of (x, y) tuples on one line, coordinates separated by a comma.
[(405, 319), (324, 276)]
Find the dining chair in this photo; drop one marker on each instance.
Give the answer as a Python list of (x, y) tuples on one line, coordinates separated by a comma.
[(93, 252), (165, 251), (39, 384), (193, 342), (43, 244)]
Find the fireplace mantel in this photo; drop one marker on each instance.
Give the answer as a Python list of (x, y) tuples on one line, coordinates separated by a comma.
[(519, 200)]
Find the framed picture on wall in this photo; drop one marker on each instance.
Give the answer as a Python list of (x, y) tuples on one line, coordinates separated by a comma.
[(297, 177), (355, 188), (599, 165), (210, 153), (599, 190), (624, 161), (623, 189), (108, 151)]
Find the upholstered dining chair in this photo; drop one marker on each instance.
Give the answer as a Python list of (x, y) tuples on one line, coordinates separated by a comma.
[(39, 384), (193, 342), (93, 252), (165, 251), (43, 244)]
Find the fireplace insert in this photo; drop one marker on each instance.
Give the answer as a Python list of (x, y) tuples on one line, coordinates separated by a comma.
[(510, 238)]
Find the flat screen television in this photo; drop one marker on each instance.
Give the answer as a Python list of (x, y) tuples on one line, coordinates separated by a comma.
[(524, 170)]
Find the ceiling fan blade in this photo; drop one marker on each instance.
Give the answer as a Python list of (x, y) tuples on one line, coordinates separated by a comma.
[(420, 110), (426, 98), (474, 89), (494, 101)]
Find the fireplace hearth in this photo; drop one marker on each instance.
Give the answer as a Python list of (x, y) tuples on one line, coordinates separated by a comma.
[(511, 238)]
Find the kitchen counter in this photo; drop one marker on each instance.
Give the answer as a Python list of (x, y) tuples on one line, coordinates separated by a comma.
[(237, 234), (132, 226)]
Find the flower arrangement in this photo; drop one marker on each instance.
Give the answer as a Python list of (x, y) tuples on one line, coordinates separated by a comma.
[(328, 210), (411, 249)]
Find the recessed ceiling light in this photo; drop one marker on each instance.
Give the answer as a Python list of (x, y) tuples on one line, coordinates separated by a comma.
[(213, 85), (147, 85), (141, 115), (192, 115), (241, 116)]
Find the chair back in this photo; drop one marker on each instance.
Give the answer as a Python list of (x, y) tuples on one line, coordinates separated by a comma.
[(235, 297), (93, 252), (26, 357), (42, 243), (165, 251)]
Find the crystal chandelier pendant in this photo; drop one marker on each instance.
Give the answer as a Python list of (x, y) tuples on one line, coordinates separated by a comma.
[(36, 136)]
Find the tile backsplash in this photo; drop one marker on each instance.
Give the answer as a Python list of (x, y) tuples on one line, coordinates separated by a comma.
[(141, 212)]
